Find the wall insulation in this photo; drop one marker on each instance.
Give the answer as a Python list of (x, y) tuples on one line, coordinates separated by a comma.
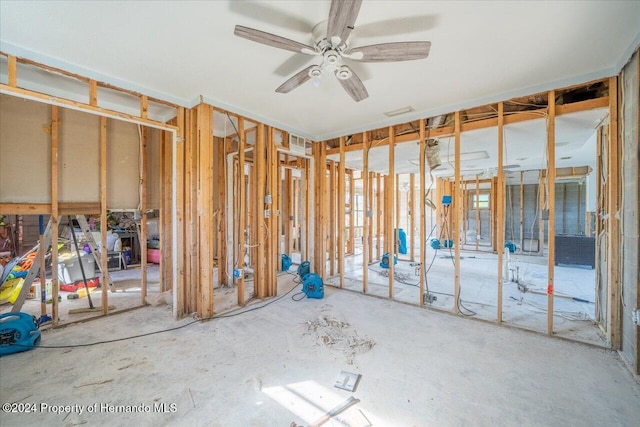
[(630, 226), (79, 157), (25, 151), (25, 155)]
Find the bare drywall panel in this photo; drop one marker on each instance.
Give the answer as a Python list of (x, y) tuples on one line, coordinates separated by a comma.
[(78, 157), (154, 167), (25, 151), (630, 226), (123, 165)]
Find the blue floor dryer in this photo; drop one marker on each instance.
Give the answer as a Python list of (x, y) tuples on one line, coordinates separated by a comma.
[(18, 332)]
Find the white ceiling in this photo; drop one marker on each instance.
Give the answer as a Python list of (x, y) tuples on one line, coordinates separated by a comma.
[(481, 52)]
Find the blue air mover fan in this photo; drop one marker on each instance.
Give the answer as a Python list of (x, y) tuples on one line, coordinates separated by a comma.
[(304, 268), (384, 262), (312, 286), (18, 332), (511, 246), (286, 262)]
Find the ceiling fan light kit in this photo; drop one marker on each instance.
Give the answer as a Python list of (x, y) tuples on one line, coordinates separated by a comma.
[(331, 41)]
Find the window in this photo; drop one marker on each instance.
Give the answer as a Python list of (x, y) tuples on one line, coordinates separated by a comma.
[(480, 202)]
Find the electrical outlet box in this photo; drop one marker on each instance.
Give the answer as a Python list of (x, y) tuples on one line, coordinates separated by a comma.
[(267, 199), (267, 213), (369, 213), (430, 298), (237, 273), (635, 316), (544, 214), (446, 200)]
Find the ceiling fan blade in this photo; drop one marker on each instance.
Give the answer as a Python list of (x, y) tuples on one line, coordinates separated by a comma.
[(354, 86), (295, 81), (342, 19), (391, 52), (272, 40)]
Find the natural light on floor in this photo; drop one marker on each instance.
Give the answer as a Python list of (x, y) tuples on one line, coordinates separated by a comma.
[(312, 403)]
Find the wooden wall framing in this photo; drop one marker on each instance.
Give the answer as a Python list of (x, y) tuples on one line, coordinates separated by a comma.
[(191, 227)]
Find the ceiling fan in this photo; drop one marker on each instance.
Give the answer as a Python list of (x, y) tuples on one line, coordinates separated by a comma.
[(331, 41)]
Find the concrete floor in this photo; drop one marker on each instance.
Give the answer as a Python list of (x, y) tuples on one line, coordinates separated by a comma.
[(574, 303), (277, 365)]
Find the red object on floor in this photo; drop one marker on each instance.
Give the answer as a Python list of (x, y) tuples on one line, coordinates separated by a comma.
[(92, 283), (153, 255)]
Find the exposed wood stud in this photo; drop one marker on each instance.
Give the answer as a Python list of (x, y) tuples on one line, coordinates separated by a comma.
[(288, 210), (221, 144), (455, 215), (396, 225), (477, 211), (614, 323), (334, 197), (180, 298), (411, 202), (389, 211), (144, 107), (371, 208), (541, 192), (12, 71), (366, 208), (93, 93), (500, 200), (204, 216), (320, 168), (341, 211), (379, 209), (274, 239), (54, 209), (423, 206), (104, 262), (551, 201), (521, 210), (143, 209), (240, 214), (352, 216), (260, 230)]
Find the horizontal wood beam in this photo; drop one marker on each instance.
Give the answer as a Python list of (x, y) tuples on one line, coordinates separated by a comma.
[(79, 208), (25, 208), (509, 118), (62, 102), (87, 79)]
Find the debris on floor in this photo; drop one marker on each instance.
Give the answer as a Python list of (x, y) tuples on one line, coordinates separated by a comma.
[(338, 335), (162, 298)]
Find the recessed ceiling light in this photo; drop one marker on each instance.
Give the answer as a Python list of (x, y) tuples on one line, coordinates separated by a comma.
[(562, 143), (399, 111)]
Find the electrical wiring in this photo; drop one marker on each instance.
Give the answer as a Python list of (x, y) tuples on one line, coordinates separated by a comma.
[(460, 304), (220, 316), (567, 315)]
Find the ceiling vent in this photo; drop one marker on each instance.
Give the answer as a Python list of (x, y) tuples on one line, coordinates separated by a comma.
[(399, 111), (297, 144)]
